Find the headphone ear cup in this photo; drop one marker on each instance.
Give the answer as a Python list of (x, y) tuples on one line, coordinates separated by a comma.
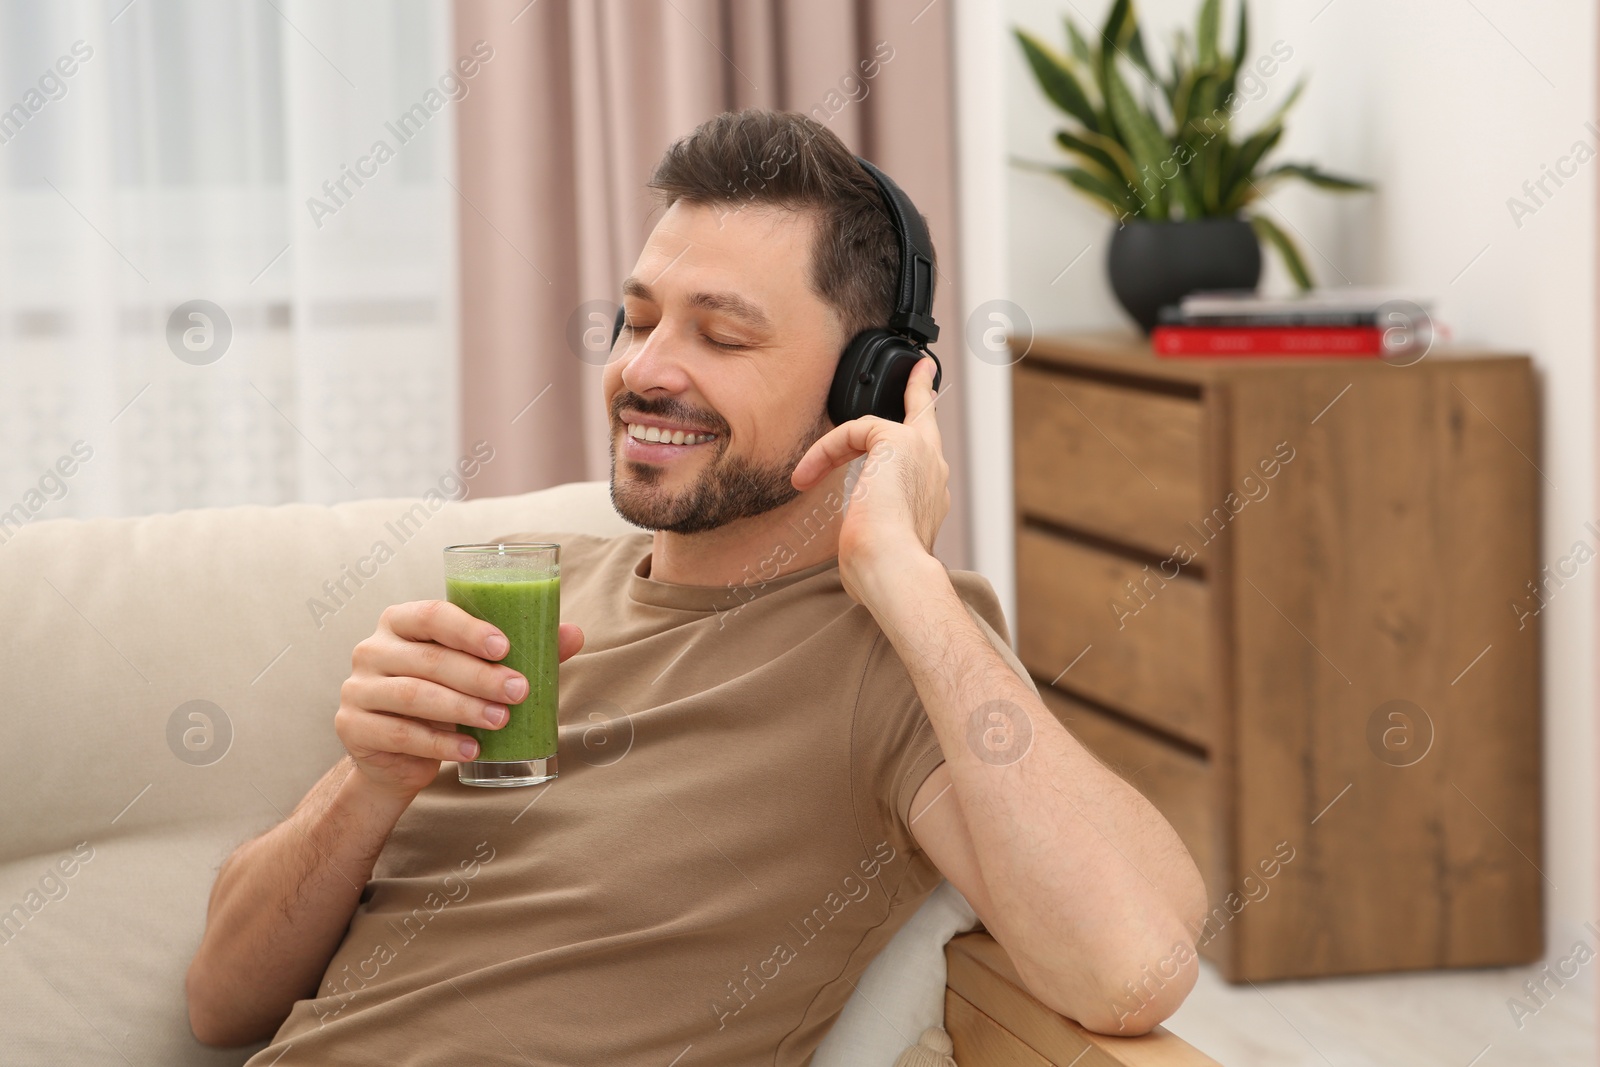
[(848, 394), (872, 375)]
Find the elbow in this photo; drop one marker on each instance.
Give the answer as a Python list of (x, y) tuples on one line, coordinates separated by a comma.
[(206, 1033), (1146, 989), (1196, 906), (1130, 994), (204, 1022), (1138, 1007), (209, 1022)]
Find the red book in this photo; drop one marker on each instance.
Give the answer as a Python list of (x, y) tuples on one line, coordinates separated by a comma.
[(1267, 340)]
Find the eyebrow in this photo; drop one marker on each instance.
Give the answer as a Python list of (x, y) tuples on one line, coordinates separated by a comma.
[(727, 303)]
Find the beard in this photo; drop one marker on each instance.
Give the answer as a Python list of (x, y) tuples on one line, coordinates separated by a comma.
[(727, 489)]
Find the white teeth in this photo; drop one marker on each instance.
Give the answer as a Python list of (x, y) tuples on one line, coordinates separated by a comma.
[(676, 437)]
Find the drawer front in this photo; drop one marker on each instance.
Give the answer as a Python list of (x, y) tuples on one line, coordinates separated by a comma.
[(1178, 783), (1148, 656), (1113, 461)]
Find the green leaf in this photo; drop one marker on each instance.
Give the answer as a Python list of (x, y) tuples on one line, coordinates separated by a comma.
[(1191, 192), (1080, 45), (1205, 34), (1116, 199), (1234, 62), (1150, 149), (1182, 97), (1320, 178), (1179, 58), (1267, 230), (1134, 47), (1105, 56), (1239, 184), (1121, 34), (1227, 77), (1254, 148), (1056, 79), (1222, 166), (1205, 119), (1114, 195), (1112, 30), (1241, 41), (1103, 151)]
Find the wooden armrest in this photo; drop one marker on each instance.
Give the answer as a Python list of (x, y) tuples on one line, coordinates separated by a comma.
[(994, 1022)]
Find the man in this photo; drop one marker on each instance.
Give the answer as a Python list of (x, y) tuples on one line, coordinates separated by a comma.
[(787, 722)]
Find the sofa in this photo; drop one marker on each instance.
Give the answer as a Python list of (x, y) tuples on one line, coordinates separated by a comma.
[(168, 684)]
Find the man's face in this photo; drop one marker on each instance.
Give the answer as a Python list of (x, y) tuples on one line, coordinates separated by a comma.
[(726, 338)]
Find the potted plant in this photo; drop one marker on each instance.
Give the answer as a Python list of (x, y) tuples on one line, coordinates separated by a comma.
[(1164, 161)]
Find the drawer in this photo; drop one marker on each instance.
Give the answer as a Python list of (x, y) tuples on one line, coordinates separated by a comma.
[(1151, 658), (1178, 783), (1110, 460)]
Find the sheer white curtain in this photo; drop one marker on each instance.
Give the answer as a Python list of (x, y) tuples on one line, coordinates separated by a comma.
[(156, 153)]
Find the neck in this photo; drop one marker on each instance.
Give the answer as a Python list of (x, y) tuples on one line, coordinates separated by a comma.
[(791, 537)]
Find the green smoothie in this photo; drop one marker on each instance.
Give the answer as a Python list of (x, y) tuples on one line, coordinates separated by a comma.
[(528, 613)]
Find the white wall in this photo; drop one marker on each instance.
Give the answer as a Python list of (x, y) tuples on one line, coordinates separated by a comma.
[(1450, 108)]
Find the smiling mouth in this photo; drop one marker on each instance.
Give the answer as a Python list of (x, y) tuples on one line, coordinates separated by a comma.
[(638, 448), (666, 436)]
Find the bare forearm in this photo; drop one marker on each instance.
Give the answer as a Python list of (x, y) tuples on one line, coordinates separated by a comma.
[(280, 906), (1087, 883)]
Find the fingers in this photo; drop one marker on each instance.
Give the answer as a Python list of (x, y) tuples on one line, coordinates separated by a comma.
[(370, 734), (844, 443), (445, 623), (568, 641), (448, 624), (463, 672), (422, 699), (428, 667), (919, 391), (834, 449)]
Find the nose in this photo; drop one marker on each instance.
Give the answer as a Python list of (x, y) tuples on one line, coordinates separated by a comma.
[(653, 364)]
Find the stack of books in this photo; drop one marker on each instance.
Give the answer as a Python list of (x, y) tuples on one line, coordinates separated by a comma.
[(1323, 322)]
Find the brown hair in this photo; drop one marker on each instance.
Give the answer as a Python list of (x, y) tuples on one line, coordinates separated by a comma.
[(787, 159)]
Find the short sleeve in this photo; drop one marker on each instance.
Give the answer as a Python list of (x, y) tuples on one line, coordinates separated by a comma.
[(925, 754), (891, 743)]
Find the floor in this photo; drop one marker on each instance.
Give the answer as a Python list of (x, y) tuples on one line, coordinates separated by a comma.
[(1434, 1019)]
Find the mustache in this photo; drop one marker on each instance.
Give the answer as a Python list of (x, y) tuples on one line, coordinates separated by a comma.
[(670, 410)]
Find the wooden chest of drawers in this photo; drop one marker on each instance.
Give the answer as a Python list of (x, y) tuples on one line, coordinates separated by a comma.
[(1293, 602)]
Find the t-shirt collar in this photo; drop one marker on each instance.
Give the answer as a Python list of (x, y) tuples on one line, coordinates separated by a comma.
[(754, 583)]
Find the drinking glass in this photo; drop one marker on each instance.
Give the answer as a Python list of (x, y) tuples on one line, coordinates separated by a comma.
[(517, 588)]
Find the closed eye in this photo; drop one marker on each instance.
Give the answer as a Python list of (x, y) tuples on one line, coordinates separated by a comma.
[(638, 328)]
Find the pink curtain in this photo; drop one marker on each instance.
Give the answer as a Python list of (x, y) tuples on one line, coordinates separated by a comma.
[(559, 132)]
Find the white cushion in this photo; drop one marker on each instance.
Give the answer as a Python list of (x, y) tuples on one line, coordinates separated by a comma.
[(902, 992)]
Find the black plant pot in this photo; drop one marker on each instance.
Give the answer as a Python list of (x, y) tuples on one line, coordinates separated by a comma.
[(1153, 264)]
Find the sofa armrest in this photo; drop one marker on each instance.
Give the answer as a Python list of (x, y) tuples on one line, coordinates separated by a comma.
[(993, 1022)]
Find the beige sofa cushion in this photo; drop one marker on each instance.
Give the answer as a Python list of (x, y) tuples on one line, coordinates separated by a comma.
[(115, 623)]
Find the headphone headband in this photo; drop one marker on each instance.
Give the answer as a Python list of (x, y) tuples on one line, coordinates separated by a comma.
[(913, 311)]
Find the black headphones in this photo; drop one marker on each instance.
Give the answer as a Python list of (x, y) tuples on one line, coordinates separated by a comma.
[(876, 364)]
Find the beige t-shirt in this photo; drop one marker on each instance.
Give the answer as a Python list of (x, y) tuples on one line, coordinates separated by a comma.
[(726, 849)]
